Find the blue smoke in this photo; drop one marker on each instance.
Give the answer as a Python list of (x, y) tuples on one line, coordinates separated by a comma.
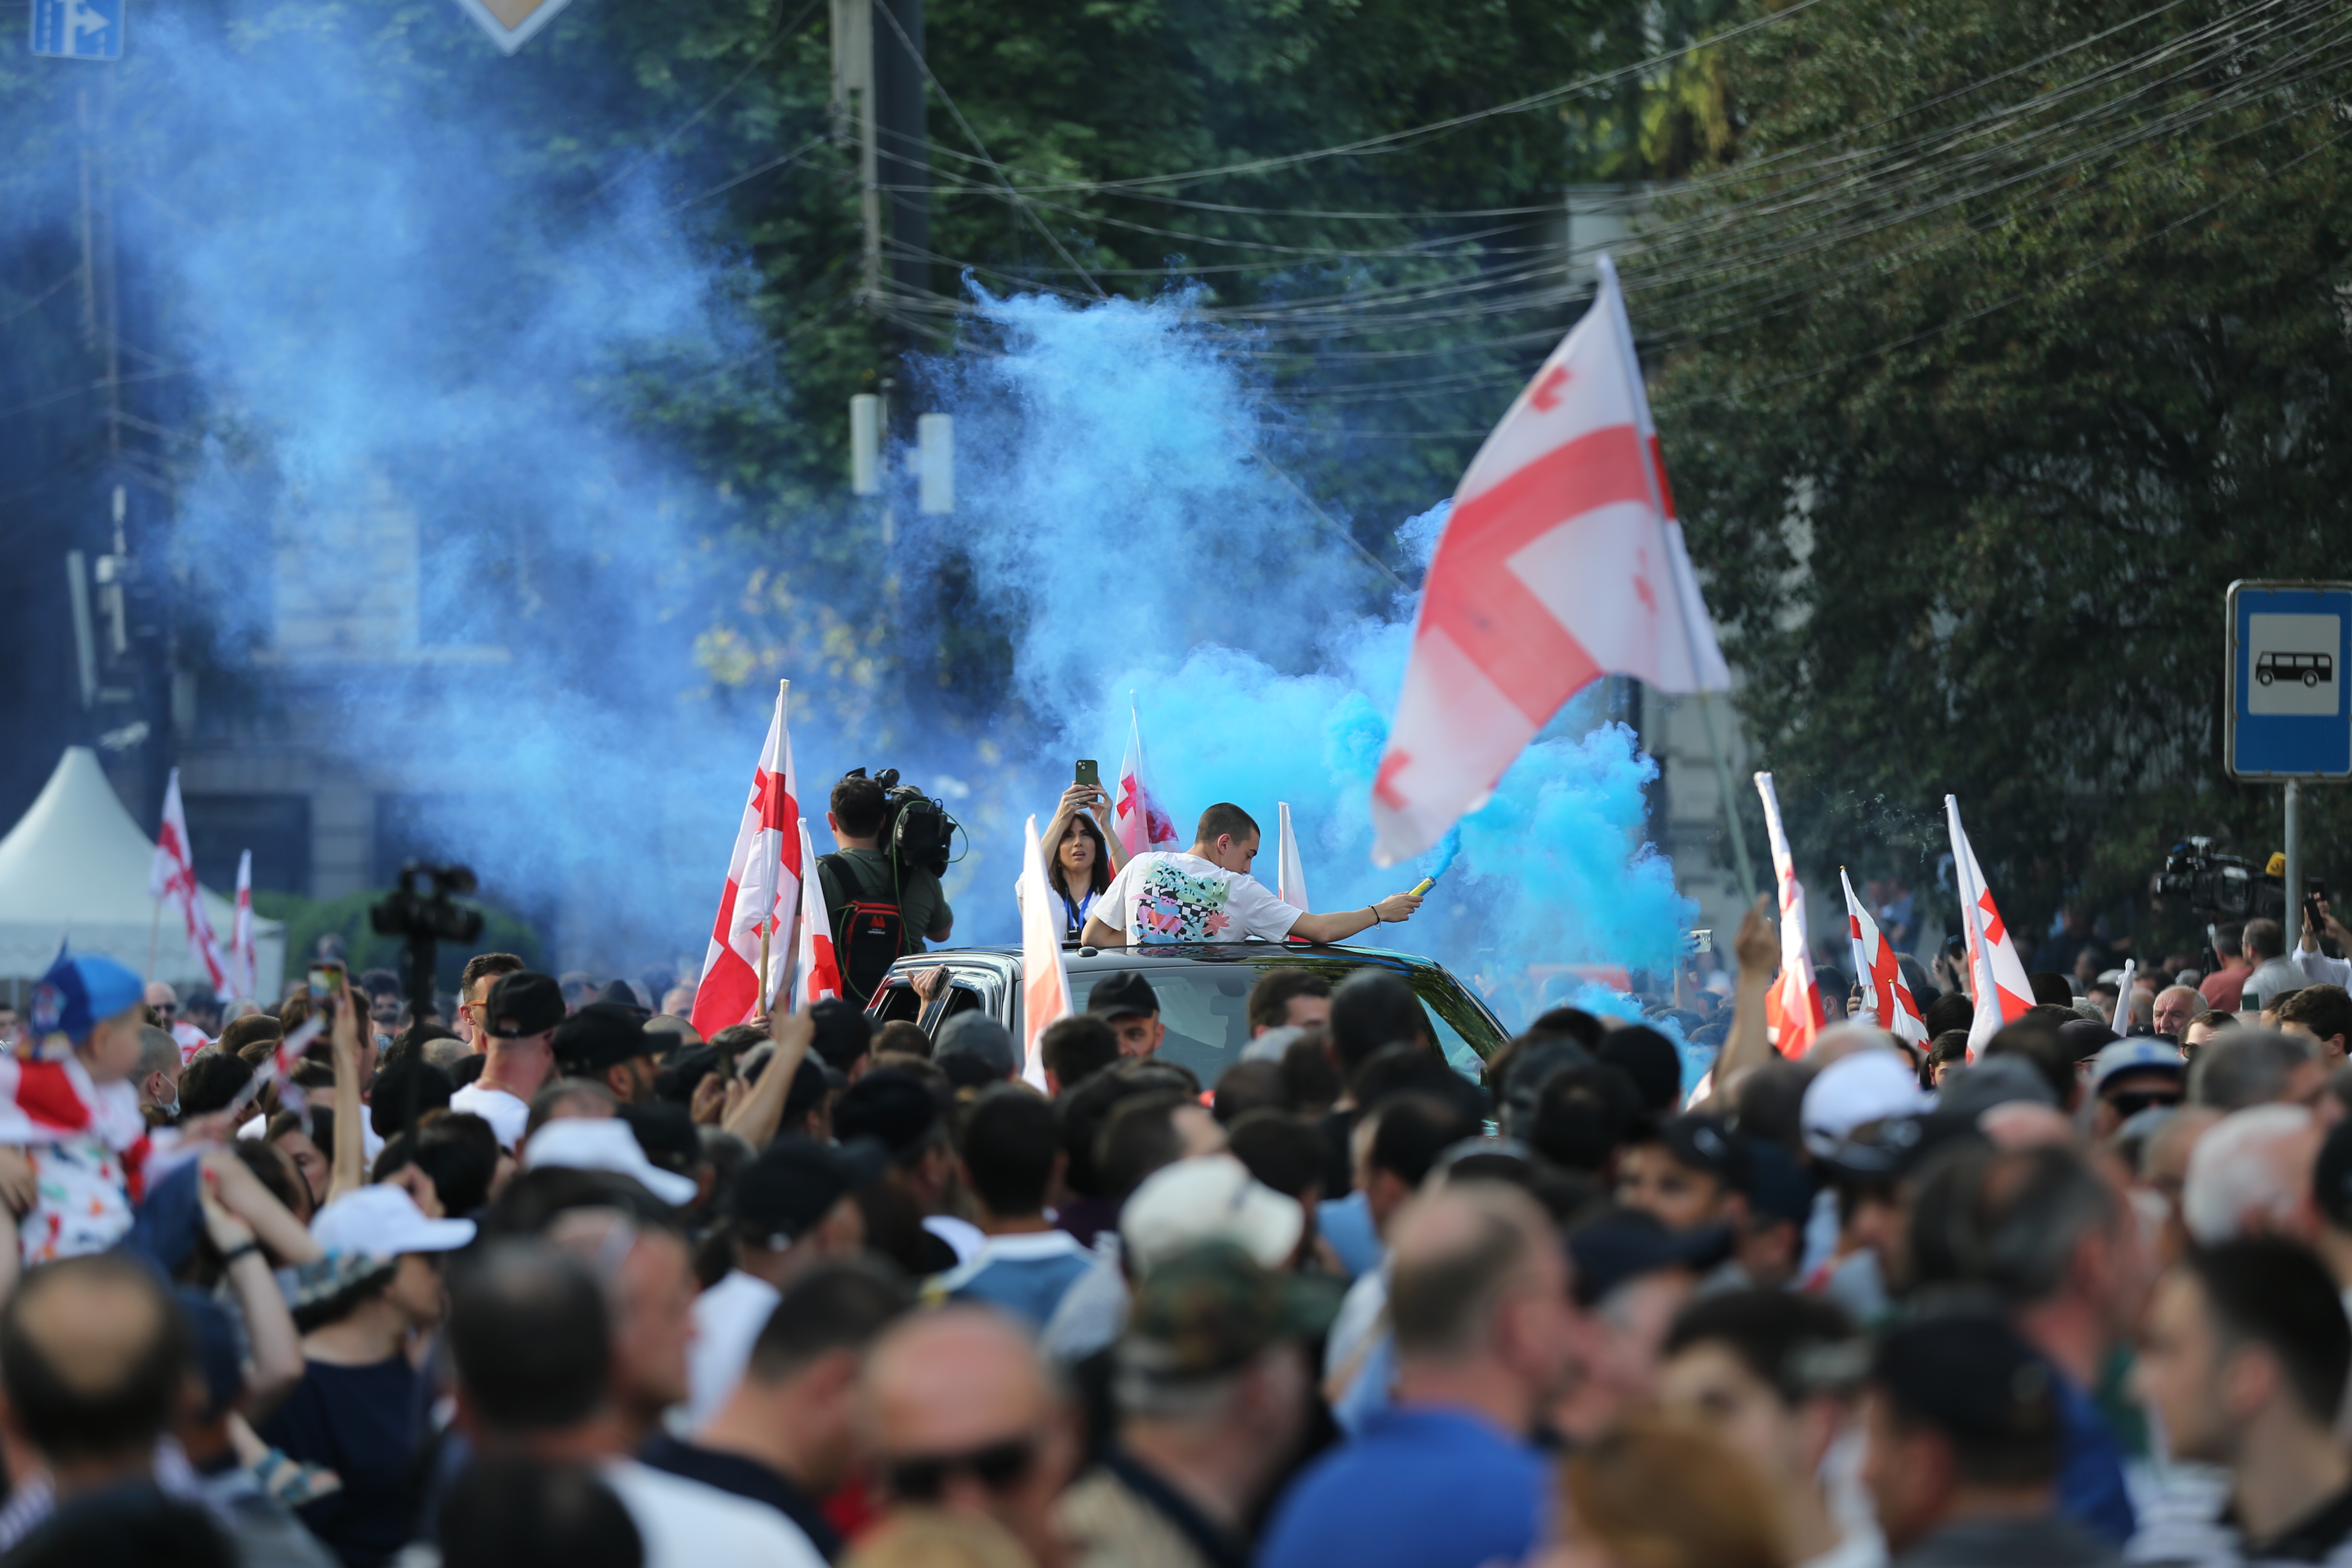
[(418, 366)]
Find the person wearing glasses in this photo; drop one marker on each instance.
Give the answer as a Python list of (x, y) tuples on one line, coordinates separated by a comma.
[(966, 1420), (2132, 1076), (482, 972)]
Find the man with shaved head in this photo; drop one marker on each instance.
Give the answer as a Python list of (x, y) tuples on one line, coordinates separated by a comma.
[(92, 1352), (2177, 1007), (964, 1417), (1445, 1478)]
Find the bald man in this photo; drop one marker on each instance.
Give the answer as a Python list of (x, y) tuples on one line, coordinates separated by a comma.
[(2177, 1007), (964, 1418)]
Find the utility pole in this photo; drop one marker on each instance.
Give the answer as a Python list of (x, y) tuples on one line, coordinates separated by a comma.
[(904, 147)]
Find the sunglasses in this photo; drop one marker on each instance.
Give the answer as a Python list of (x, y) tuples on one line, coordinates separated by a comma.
[(924, 1478), (2129, 1105)]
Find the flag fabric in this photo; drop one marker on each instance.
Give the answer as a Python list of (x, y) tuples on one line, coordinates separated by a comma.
[(171, 873), (242, 967), (1045, 980), (1562, 561), (816, 970), (2002, 991), (2122, 1024), (1289, 873), (761, 896), (1136, 819), (1800, 1011), (279, 1070), (1891, 1002)]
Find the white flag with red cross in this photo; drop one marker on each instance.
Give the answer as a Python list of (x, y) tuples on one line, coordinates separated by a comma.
[(1878, 973), (1289, 869), (1798, 997), (817, 975), (1562, 561), (761, 900), (1044, 979), (172, 874), (1995, 972), (1136, 819), (242, 964)]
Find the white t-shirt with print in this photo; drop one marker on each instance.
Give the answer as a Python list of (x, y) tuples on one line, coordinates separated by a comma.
[(1166, 896)]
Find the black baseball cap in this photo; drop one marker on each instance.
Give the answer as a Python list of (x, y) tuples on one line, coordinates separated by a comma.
[(894, 1108), (1701, 1143), (623, 993), (794, 1183), (523, 1004), (1123, 994), (844, 1033), (600, 1035), (1623, 1245)]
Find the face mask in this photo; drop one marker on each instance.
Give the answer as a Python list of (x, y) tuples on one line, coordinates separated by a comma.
[(172, 1107)]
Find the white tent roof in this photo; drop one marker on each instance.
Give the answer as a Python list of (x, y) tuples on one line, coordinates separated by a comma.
[(74, 868)]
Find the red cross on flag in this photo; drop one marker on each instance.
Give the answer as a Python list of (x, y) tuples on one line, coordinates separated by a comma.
[(1891, 1002), (173, 874), (816, 976), (1560, 562), (762, 893), (242, 965), (1136, 819), (1995, 972), (1044, 979), (1800, 1011)]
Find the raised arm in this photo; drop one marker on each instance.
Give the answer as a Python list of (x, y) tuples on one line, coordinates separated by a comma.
[(349, 1153), (1394, 909), (757, 1117), (1757, 949)]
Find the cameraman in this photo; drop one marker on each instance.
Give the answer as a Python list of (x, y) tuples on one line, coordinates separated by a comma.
[(859, 807)]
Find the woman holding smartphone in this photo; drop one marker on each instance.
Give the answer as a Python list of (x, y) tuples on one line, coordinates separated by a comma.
[(1081, 856)]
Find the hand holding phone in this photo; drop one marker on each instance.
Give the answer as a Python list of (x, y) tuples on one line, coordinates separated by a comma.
[(1089, 773)]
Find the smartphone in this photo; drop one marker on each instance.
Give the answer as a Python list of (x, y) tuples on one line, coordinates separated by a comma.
[(1089, 774), (326, 982)]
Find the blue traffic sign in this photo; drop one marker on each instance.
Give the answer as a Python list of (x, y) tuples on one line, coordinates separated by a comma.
[(2290, 649), (79, 30)]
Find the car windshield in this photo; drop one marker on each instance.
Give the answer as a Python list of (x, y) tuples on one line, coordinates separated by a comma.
[(1206, 1009)]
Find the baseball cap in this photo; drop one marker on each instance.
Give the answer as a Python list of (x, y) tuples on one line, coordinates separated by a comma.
[(1211, 1197), (604, 1143), (625, 994), (975, 1033), (2086, 1037), (81, 991), (1705, 1144), (844, 1033), (795, 1183), (1123, 994), (1969, 1376), (1623, 1244), (2143, 1055), (1214, 1309), (600, 1035), (524, 1004), (894, 1108), (383, 1221), (1992, 1081), (1868, 1086)]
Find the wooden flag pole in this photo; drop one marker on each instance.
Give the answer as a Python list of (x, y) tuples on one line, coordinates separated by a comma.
[(775, 770)]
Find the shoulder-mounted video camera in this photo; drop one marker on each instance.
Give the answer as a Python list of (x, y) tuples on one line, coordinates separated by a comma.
[(918, 833), (2219, 887)]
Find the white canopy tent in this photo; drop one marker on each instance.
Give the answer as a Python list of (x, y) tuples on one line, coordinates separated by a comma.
[(74, 868)]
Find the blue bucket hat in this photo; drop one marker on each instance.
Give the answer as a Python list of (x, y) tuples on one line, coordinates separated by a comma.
[(80, 991)]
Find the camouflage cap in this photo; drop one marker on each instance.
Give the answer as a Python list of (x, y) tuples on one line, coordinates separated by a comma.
[(1214, 1309)]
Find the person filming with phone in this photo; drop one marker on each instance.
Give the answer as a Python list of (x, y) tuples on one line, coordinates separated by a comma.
[(1081, 856)]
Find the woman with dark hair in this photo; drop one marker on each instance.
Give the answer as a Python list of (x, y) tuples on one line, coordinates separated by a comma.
[(1081, 856)]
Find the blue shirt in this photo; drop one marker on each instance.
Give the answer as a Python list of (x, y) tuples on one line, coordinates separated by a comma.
[(1346, 1223), (1417, 1487), (1024, 1276), (2091, 1489)]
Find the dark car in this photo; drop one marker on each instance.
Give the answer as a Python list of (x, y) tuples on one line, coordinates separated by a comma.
[(1203, 993)]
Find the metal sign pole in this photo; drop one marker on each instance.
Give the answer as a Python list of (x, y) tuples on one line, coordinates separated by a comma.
[(2294, 921)]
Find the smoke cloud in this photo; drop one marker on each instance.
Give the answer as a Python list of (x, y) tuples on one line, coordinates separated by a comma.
[(431, 488)]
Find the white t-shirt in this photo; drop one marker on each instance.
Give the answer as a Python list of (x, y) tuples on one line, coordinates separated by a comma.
[(1085, 905), (507, 1115), (686, 1524), (1166, 896), (727, 1317)]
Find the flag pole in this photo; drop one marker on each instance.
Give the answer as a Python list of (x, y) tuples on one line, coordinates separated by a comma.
[(776, 771), (154, 935)]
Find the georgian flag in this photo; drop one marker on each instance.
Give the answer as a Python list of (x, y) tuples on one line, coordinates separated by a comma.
[(1562, 561), (241, 964), (171, 875), (1136, 819), (762, 892), (1289, 871), (1891, 1002), (1995, 972), (1800, 999), (1045, 980), (816, 973)]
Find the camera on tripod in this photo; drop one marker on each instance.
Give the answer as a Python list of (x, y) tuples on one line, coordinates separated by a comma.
[(2219, 887), (422, 905)]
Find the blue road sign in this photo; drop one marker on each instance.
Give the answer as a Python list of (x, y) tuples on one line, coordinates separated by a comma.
[(2290, 667), (79, 30)]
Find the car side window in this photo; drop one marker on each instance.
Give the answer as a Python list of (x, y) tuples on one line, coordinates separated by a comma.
[(897, 1002)]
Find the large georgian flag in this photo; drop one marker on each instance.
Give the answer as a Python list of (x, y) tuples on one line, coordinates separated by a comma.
[(761, 896), (172, 874), (1876, 969), (1998, 976), (1800, 998), (1561, 562), (1136, 819)]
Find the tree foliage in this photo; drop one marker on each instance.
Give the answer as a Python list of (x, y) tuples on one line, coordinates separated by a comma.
[(2009, 338)]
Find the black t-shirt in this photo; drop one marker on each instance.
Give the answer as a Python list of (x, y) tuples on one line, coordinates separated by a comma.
[(1339, 1129), (364, 1423), (746, 1477)]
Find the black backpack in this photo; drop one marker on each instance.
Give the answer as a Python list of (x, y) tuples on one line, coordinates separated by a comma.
[(868, 932)]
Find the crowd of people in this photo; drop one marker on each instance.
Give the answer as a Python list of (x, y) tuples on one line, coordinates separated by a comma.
[(556, 1280)]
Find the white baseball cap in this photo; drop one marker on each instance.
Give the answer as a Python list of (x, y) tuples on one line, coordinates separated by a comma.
[(1868, 1086), (1210, 1198), (383, 1221), (604, 1143)]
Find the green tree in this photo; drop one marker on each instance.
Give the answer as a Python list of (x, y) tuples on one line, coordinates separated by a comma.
[(2010, 337)]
